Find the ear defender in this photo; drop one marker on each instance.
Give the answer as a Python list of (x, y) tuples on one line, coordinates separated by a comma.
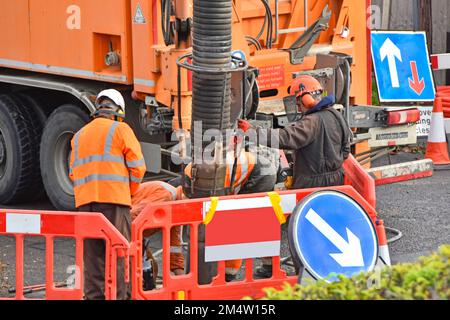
[(120, 115), (308, 101), (306, 88)]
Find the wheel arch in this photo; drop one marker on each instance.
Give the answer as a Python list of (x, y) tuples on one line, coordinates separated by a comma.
[(77, 91)]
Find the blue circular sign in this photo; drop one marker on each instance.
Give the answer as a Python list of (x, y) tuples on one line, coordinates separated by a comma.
[(330, 233)]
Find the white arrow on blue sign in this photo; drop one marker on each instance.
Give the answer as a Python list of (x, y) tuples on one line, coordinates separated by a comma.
[(402, 66), (330, 233)]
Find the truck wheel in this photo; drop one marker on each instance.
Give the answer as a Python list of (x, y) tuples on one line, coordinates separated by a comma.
[(35, 110), (19, 151), (36, 106), (59, 130)]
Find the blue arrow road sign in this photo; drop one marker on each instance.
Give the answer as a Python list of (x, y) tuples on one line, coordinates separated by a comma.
[(331, 233), (402, 66)]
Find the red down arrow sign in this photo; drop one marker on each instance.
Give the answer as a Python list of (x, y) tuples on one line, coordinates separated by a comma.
[(414, 83)]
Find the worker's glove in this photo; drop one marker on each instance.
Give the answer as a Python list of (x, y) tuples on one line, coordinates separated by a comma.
[(244, 125)]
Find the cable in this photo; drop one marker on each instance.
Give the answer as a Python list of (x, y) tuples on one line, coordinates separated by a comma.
[(263, 28), (270, 24), (167, 28), (254, 42), (398, 233), (180, 120), (268, 20), (270, 34)]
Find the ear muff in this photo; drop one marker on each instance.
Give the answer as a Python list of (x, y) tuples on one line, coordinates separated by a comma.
[(308, 101), (119, 113)]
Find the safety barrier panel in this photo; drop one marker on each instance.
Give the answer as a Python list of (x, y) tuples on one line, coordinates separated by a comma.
[(444, 93), (357, 177), (165, 216), (76, 225)]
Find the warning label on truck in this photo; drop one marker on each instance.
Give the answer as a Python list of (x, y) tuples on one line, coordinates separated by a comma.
[(271, 77), (139, 16)]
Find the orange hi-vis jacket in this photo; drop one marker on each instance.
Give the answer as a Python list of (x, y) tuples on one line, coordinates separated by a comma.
[(106, 163), (159, 191), (153, 192)]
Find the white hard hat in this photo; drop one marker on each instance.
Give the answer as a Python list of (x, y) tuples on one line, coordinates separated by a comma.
[(114, 95)]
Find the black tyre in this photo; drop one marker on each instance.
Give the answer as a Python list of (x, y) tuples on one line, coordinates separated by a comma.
[(35, 110), (20, 133), (35, 105), (59, 130)]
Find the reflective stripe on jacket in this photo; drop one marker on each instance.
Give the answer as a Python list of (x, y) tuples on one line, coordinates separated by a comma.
[(106, 163)]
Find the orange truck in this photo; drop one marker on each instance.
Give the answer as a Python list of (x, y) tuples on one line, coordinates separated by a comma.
[(56, 55)]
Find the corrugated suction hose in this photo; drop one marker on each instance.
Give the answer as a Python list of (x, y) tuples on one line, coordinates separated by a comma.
[(211, 93)]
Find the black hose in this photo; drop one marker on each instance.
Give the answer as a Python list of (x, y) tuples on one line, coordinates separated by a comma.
[(166, 13), (262, 28), (398, 234), (270, 24), (180, 120), (211, 93), (254, 42)]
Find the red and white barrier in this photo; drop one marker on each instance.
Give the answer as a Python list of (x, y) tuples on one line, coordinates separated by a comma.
[(51, 225), (440, 61), (245, 241)]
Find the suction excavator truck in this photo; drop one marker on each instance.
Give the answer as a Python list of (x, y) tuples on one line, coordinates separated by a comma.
[(176, 62)]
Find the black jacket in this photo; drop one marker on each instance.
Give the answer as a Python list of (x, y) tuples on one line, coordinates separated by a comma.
[(321, 141)]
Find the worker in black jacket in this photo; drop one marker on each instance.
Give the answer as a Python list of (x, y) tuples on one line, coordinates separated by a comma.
[(320, 138)]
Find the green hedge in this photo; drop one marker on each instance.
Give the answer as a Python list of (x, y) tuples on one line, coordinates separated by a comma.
[(375, 98), (427, 279)]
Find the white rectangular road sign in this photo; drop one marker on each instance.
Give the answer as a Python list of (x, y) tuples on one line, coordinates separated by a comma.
[(423, 125)]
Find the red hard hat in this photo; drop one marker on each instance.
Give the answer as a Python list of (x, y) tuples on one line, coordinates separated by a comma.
[(305, 84)]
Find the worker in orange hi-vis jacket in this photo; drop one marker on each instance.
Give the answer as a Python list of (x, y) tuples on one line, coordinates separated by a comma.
[(106, 167), (158, 191)]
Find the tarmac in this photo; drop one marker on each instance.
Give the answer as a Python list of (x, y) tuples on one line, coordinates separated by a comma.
[(418, 208)]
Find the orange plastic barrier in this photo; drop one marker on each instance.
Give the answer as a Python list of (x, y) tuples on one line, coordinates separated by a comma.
[(358, 178), (166, 215), (76, 225), (444, 93)]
